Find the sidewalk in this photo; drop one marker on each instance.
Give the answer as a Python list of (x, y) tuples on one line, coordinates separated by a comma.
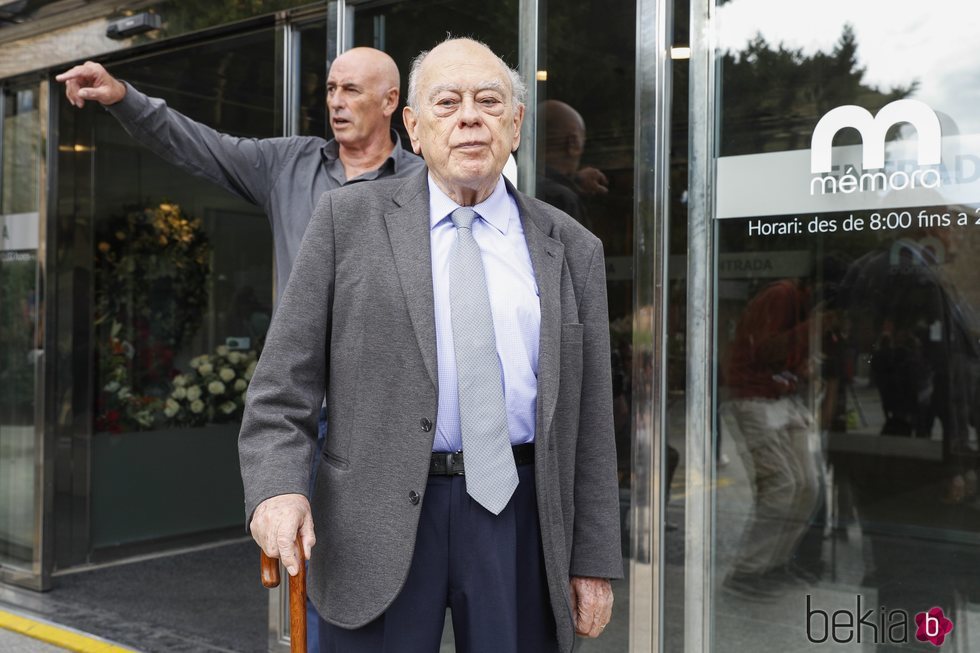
[(23, 633), (11, 642), (205, 599)]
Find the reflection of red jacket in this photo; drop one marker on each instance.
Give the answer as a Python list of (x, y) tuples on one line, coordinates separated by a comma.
[(771, 343)]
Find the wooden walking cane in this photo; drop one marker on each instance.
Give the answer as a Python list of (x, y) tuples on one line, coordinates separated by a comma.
[(297, 597)]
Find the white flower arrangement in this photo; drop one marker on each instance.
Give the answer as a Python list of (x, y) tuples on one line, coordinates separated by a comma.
[(213, 390)]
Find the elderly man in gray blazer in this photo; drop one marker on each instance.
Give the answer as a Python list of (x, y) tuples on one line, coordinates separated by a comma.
[(459, 331)]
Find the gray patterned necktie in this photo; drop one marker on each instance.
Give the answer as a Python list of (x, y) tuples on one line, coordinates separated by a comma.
[(491, 475)]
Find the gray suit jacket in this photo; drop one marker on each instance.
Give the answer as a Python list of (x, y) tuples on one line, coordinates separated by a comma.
[(357, 322)]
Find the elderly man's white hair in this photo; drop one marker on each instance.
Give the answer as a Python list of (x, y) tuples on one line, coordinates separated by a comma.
[(518, 88)]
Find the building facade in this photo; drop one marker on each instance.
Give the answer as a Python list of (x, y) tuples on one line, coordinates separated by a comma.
[(787, 197)]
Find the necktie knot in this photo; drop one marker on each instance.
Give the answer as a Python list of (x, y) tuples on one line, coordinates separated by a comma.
[(463, 217)]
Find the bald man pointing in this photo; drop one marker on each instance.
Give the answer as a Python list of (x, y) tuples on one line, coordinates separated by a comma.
[(284, 176)]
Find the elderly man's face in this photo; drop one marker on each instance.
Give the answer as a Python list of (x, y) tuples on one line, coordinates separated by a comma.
[(360, 98), (466, 124)]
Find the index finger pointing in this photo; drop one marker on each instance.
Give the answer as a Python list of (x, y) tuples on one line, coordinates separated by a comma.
[(72, 73)]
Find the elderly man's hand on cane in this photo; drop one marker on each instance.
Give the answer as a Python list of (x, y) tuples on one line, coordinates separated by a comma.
[(275, 525)]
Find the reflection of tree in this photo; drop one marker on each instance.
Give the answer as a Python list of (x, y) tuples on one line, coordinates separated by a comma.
[(17, 317), (772, 97), (182, 17)]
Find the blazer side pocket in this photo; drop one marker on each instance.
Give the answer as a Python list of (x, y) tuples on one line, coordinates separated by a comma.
[(334, 460)]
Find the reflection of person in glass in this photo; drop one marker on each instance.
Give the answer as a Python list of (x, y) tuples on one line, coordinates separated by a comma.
[(284, 176), (769, 365), (443, 313), (564, 183), (924, 354), (912, 492)]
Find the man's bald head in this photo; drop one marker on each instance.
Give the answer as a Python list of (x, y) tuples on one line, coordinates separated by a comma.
[(362, 94), (373, 63), (564, 135)]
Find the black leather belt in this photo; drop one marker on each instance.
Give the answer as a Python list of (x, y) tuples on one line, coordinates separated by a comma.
[(451, 463)]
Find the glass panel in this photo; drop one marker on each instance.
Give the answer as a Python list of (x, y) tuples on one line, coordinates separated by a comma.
[(676, 467), (182, 298), (313, 80), (403, 29), (846, 336), (21, 339), (585, 167), (181, 17)]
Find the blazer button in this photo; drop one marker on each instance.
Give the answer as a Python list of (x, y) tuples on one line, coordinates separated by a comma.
[(426, 424), (413, 496)]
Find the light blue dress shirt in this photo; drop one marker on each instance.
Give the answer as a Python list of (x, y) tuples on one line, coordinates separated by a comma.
[(514, 304)]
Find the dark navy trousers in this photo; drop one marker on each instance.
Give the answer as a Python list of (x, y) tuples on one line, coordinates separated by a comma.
[(489, 570)]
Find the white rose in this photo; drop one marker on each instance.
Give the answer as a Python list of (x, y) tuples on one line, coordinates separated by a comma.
[(222, 350), (250, 370), (216, 387), (234, 358), (179, 393), (197, 406), (205, 369), (194, 393), (112, 386), (226, 374), (228, 407), (196, 362), (170, 403), (124, 393), (170, 412), (240, 385), (179, 381)]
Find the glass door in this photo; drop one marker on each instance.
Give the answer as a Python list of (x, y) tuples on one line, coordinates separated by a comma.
[(21, 332), (835, 152)]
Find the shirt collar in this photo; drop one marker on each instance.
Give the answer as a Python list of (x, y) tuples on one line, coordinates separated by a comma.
[(331, 151), (494, 209)]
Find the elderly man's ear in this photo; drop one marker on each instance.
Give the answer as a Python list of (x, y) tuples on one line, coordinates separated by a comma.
[(518, 120), (411, 122)]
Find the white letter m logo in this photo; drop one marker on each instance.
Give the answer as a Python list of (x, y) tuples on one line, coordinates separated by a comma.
[(873, 130)]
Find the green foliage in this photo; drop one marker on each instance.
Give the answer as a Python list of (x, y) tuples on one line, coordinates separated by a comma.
[(773, 96), (18, 309), (151, 293)]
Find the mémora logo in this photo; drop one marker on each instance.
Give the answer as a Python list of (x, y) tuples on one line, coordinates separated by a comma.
[(874, 176)]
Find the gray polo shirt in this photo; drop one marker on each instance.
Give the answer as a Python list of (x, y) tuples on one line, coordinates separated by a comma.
[(285, 176)]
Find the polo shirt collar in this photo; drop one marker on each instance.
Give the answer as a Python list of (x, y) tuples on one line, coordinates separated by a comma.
[(331, 152)]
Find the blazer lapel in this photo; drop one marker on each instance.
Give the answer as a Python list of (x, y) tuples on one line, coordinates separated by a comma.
[(547, 258), (408, 231)]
